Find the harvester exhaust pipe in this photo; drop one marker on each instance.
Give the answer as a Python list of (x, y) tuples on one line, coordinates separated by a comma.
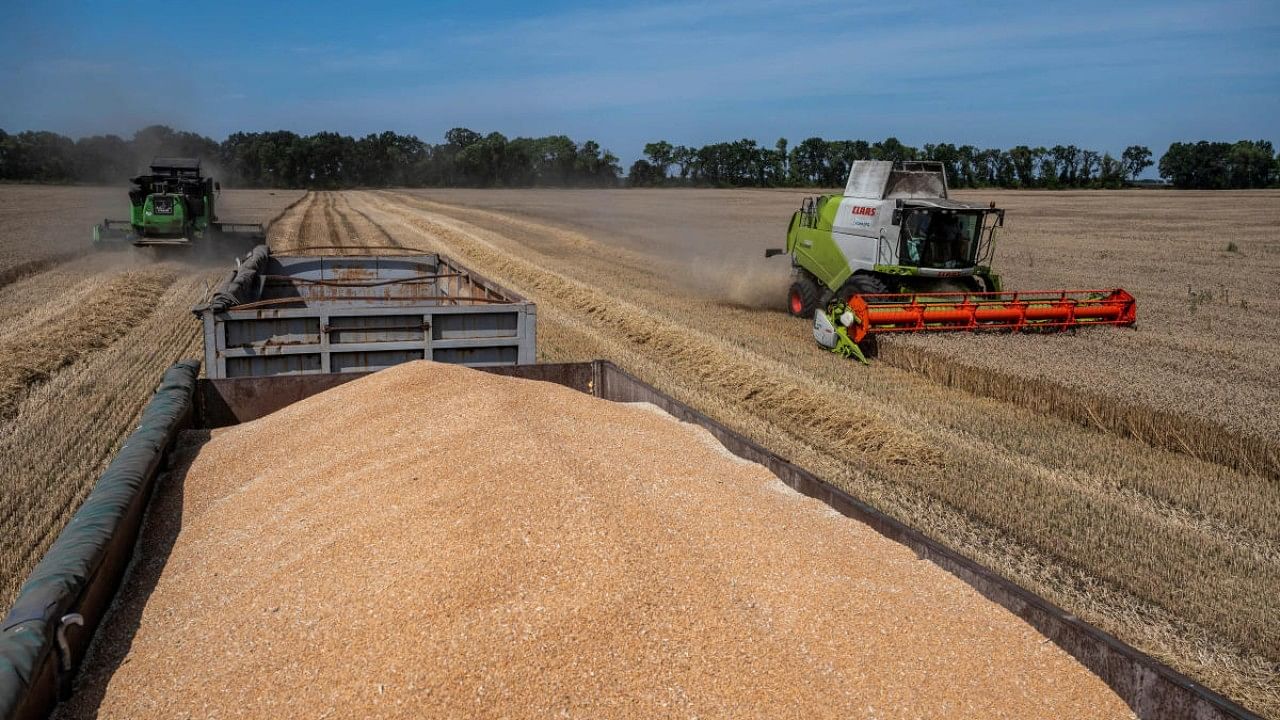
[(1032, 310)]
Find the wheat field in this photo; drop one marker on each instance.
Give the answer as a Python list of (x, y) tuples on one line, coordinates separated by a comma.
[(1130, 476)]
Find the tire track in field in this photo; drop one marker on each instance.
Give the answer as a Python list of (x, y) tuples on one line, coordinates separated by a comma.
[(286, 212), (373, 229), (284, 233), (331, 222)]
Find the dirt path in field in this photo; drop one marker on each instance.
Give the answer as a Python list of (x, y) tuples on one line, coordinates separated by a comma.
[(1121, 532)]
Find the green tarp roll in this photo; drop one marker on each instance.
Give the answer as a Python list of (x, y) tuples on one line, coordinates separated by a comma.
[(71, 567)]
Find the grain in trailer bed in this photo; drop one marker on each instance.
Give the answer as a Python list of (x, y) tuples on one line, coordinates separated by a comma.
[(435, 541)]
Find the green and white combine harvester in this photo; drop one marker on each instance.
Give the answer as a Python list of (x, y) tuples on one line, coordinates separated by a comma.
[(174, 207), (895, 253)]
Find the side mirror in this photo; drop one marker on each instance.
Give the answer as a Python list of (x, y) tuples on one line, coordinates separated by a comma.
[(897, 213), (217, 187)]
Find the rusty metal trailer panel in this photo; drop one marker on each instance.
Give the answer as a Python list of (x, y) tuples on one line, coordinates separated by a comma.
[(298, 315), (40, 649)]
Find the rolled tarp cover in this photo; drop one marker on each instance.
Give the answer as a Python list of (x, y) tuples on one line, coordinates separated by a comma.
[(72, 566), (240, 286)]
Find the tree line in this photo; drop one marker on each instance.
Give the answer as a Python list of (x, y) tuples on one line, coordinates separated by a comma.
[(825, 163), (469, 159), (284, 159)]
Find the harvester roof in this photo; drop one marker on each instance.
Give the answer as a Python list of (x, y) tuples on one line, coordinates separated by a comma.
[(944, 204), (885, 179), (177, 166)]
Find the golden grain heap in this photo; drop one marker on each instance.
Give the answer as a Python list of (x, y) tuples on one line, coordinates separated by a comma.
[(434, 541)]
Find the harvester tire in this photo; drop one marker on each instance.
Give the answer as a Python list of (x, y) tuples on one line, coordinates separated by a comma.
[(862, 284), (803, 296)]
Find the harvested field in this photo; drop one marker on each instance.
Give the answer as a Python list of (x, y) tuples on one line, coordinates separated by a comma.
[(1127, 475), (112, 307), (1199, 375), (645, 573), (84, 337), (43, 225)]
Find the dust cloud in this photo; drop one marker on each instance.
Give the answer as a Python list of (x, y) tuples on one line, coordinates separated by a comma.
[(730, 268), (749, 282)]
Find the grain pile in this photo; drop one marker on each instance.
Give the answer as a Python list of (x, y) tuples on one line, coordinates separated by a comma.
[(434, 541)]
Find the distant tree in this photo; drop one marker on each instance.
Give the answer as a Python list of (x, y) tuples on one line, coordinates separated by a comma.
[(1201, 165), (891, 148), (1023, 160), (661, 154), (103, 159), (39, 156), (331, 160), (596, 167), (844, 153), (1250, 164), (1048, 168), (463, 138), (269, 159), (1088, 165), (949, 156), (1005, 172), (642, 174), (780, 174), (554, 159), (328, 160), (968, 164), (684, 158), (1111, 172), (163, 141), (809, 161), (1135, 159)]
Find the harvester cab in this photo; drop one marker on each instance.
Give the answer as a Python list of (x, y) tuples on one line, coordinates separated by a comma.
[(893, 230), (173, 206), (895, 253)]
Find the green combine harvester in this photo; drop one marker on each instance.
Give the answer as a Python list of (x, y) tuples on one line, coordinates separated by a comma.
[(896, 254), (174, 207)]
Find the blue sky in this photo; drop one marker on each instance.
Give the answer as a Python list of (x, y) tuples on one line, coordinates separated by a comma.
[(1098, 74)]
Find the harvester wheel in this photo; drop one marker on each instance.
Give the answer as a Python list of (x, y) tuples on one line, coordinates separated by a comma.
[(802, 298), (862, 284)]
